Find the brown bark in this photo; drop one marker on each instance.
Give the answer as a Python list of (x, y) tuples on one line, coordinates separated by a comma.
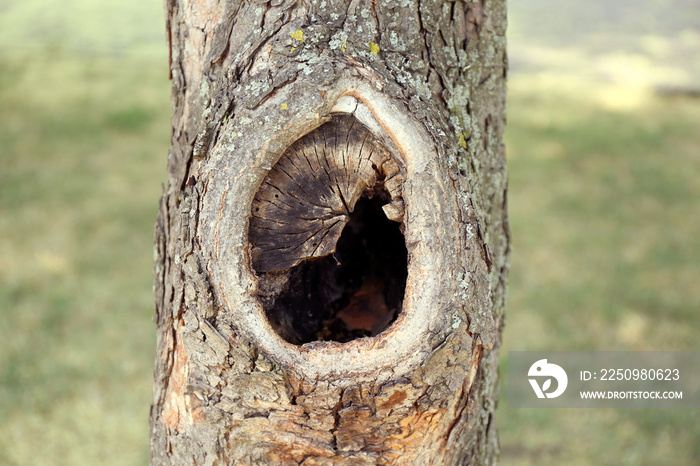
[(267, 352)]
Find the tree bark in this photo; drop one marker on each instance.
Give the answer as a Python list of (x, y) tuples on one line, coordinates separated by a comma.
[(298, 127)]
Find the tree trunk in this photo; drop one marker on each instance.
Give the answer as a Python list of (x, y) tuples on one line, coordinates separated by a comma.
[(332, 247)]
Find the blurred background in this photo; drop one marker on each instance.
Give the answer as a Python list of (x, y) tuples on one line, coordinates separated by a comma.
[(603, 146)]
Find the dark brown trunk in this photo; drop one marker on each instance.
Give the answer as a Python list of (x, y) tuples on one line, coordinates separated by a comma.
[(332, 245)]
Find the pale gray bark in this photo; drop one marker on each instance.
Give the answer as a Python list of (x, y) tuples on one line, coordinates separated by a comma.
[(427, 79)]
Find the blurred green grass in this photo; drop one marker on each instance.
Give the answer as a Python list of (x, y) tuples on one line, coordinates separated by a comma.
[(604, 208), (604, 199), (604, 191), (83, 144), (650, 42)]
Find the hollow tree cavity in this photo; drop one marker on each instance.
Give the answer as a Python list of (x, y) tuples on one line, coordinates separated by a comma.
[(325, 234)]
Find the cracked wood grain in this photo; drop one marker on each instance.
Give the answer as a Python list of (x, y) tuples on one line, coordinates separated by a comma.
[(307, 198)]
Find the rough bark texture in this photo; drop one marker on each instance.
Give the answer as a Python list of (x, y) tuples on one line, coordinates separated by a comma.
[(426, 79)]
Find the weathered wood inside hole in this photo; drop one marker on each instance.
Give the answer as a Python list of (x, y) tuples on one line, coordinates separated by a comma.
[(306, 199), (357, 292)]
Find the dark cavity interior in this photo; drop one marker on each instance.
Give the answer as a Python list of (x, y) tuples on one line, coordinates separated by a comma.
[(353, 293), (331, 265)]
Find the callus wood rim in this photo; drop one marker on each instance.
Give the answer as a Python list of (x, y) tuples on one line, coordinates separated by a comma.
[(422, 198)]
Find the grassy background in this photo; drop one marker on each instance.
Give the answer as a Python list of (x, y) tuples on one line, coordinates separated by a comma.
[(604, 194), (84, 134), (604, 201)]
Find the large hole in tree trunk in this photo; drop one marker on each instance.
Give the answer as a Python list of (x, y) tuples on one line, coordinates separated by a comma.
[(355, 292), (330, 264)]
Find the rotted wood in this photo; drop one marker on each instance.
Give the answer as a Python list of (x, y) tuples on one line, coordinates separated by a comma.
[(306, 199), (304, 204)]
